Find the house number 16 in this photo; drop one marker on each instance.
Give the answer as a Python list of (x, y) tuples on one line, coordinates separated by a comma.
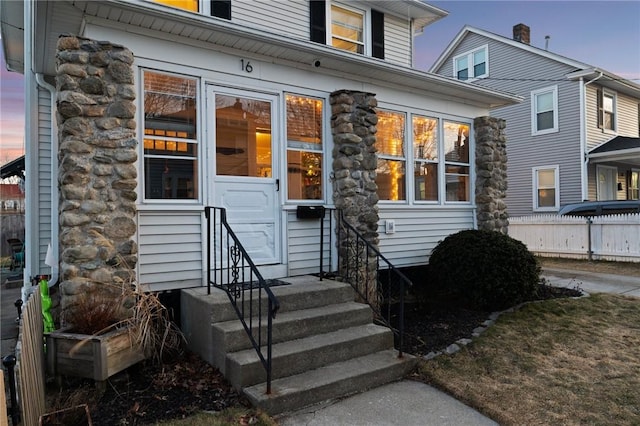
[(246, 66)]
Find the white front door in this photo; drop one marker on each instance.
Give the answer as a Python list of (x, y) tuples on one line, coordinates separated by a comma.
[(242, 135), (607, 182)]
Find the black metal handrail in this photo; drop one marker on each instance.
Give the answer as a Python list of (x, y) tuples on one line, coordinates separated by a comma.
[(234, 272), (358, 261)]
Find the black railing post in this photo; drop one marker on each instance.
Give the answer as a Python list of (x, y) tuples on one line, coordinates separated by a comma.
[(9, 363), (18, 304), (322, 247), (207, 215), (401, 319)]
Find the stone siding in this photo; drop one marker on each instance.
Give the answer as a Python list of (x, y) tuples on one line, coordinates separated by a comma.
[(97, 171), (491, 174)]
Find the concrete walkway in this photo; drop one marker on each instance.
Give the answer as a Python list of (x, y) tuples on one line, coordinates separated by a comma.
[(593, 282)]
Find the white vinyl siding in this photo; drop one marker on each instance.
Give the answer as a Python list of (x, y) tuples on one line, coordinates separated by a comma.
[(397, 40), (303, 244), (44, 180), (170, 247), (418, 231)]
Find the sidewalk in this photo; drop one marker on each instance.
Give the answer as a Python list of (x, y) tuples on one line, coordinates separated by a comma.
[(593, 282)]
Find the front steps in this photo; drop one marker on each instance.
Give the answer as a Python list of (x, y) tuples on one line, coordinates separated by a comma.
[(325, 345)]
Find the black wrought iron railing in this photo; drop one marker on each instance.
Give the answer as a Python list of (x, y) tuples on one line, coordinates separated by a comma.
[(230, 268), (374, 278)]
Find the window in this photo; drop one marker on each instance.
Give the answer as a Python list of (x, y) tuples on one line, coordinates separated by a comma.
[(606, 110), (355, 30), (304, 148), (544, 111), (471, 65), (456, 161), (218, 8), (546, 195), (390, 141), (347, 29), (425, 154), (634, 185), (170, 144)]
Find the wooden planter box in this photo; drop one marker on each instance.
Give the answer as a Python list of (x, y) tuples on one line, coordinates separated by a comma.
[(98, 358)]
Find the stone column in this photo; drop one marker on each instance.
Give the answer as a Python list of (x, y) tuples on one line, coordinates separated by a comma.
[(97, 172), (491, 174), (353, 125)]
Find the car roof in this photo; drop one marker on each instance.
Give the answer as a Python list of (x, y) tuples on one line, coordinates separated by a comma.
[(597, 208)]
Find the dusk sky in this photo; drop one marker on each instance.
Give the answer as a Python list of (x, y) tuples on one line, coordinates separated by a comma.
[(605, 34)]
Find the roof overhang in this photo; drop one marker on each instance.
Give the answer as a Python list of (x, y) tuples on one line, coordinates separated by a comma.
[(12, 32), (607, 79), (620, 149), (422, 14), (13, 168)]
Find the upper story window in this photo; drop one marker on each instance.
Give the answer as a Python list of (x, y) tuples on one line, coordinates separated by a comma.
[(391, 170), (546, 195), (304, 148), (344, 27), (606, 110), (170, 145), (544, 110), (471, 65), (218, 8)]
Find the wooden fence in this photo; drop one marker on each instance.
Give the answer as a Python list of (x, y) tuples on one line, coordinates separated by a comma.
[(30, 368), (614, 237)]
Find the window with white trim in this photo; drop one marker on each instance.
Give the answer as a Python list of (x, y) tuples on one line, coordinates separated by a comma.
[(304, 148), (471, 65), (390, 142), (456, 161), (170, 143), (425, 154), (217, 8), (546, 193), (606, 110), (634, 184), (347, 29), (544, 110)]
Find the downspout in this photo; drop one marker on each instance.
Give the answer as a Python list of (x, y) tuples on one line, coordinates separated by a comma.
[(30, 164), (583, 135), (55, 229)]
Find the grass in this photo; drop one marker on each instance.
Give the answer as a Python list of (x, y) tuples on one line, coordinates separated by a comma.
[(562, 361)]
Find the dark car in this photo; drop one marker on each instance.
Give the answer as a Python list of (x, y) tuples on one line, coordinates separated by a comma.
[(599, 208)]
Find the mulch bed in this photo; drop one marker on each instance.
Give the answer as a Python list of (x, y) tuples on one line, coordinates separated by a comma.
[(146, 393)]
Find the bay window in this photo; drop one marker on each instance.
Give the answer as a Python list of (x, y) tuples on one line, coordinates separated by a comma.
[(304, 148), (170, 143)]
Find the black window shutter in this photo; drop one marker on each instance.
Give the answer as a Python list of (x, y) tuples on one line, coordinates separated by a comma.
[(318, 21), (377, 34), (599, 108), (221, 8)]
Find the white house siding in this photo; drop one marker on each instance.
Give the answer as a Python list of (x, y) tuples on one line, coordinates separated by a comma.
[(44, 179), (281, 17), (170, 249), (418, 230), (303, 244), (397, 40), (170, 241), (516, 71)]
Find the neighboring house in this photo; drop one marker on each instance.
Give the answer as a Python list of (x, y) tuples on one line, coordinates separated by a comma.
[(576, 135), (11, 197), (232, 110)]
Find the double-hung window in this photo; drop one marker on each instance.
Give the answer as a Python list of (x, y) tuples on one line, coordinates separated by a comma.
[(425, 154), (546, 196), (347, 29), (170, 144), (471, 65), (456, 161), (391, 170), (606, 110), (304, 148), (634, 185), (544, 110), (217, 8)]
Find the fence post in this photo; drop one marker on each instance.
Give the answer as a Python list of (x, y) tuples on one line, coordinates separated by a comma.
[(9, 363), (590, 251)]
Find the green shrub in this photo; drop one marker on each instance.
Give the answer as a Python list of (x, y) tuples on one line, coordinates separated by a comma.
[(484, 270)]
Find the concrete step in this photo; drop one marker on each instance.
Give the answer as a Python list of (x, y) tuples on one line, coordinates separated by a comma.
[(331, 381), (244, 368), (230, 336)]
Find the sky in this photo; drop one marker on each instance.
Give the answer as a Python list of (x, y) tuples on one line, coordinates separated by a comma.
[(605, 34)]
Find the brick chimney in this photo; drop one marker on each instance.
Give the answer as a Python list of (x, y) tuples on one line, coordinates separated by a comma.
[(521, 33)]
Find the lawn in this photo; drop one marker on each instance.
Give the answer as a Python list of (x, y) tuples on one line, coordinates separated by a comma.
[(561, 361)]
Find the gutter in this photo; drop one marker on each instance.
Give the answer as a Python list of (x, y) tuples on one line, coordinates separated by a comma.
[(52, 254), (583, 135)]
